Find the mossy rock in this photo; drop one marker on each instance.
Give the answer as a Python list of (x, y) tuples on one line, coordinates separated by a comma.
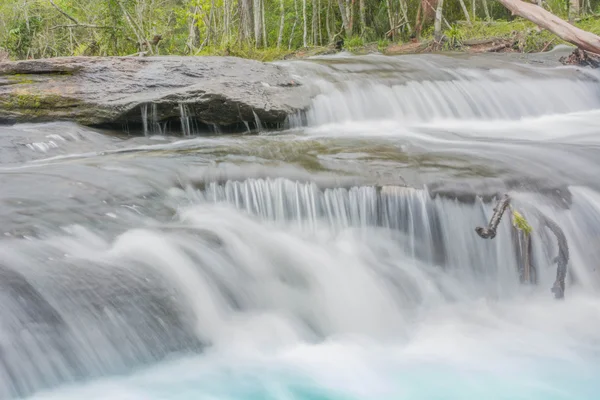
[(20, 79)]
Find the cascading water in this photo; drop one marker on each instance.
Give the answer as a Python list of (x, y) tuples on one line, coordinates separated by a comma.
[(298, 265), (189, 126), (151, 123), (424, 90), (144, 111)]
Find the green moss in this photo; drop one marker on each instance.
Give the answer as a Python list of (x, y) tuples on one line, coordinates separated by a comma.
[(521, 223), (22, 100), (33, 106), (20, 79)]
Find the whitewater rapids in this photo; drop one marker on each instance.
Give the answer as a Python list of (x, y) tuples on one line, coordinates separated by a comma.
[(336, 259)]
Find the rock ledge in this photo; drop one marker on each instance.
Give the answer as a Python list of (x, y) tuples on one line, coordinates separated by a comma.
[(149, 92)]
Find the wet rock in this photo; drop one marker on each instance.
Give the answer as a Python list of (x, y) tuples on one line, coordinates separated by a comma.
[(488, 190), (118, 91)]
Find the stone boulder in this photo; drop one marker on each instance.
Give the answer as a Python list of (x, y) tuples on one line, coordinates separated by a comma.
[(221, 92)]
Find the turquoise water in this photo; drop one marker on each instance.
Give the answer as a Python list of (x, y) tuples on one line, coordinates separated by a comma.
[(207, 377), (481, 350)]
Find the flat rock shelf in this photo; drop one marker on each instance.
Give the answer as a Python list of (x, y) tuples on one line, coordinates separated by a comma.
[(221, 92)]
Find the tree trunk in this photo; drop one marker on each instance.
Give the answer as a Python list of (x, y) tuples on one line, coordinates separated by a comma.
[(363, 19), (211, 31), (319, 22), (304, 23), (350, 10), (404, 9), (257, 22), (437, 25), (246, 27), (584, 40), (391, 19), (465, 11), (418, 22), (327, 25), (315, 33), (486, 10), (281, 23), (345, 21), (227, 19), (573, 10), (136, 30), (295, 23), (193, 38), (264, 25), (428, 11)]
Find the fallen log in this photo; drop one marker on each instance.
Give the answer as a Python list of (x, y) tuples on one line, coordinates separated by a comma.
[(498, 47), (584, 40), (478, 42)]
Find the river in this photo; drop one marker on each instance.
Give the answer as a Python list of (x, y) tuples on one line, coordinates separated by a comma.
[(335, 259)]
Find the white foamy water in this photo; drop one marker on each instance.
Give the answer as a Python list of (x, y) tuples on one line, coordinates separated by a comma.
[(289, 267), (394, 327), (426, 88)]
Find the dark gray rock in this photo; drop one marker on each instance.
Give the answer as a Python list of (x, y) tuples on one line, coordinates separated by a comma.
[(222, 91)]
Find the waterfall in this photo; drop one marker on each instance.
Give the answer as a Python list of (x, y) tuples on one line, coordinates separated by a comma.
[(402, 90), (144, 110), (156, 126), (416, 245), (186, 122), (276, 246), (259, 126), (430, 225), (151, 123), (224, 267)]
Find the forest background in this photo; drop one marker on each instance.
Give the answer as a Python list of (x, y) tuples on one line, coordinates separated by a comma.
[(271, 29)]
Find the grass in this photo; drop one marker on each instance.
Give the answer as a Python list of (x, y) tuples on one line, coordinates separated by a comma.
[(265, 55), (530, 37)]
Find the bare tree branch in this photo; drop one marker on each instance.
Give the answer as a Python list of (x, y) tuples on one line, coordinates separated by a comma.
[(81, 26), (60, 10)]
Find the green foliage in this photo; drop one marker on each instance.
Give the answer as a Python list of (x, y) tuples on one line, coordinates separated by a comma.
[(382, 44), (246, 51), (21, 35), (36, 29), (590, 24), (525, 33), (354, 43), (454, 37)]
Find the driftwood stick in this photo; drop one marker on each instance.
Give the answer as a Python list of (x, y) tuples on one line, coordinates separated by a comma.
[(490, 231), (561, 260)]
